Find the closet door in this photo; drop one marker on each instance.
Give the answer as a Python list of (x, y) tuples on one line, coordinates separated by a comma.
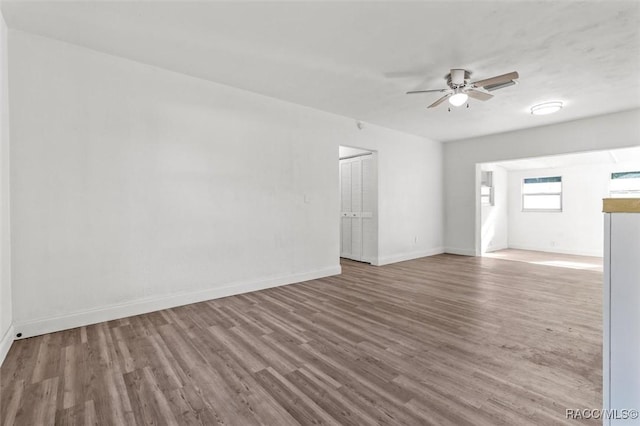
[(345, 209), (351, 221), (358, 188)]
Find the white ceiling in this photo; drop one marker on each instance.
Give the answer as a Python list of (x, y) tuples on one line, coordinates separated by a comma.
[(624, 156), (358, 58)]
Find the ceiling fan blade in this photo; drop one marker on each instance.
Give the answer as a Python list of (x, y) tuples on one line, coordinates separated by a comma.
[(492, 87), (496, 80), (413, 92), (439, 101), (477, 94)]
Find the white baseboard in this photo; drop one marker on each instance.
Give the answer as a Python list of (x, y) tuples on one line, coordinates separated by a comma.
[(555, 250), (143, 306), (460, 251), (5, 343), (408, 256), (491, 249)]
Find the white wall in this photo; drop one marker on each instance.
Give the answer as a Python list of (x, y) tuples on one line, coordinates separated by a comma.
[(347, 151), (410, 213), (136, 188), (461, 177), (6, 313), (578, 228), (495, 218)]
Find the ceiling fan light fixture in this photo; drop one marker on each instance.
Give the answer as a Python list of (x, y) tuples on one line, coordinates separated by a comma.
[(458, 98), (546, 108)]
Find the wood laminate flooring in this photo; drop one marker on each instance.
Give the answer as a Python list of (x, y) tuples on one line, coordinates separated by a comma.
[(559, 260), (443, 340)]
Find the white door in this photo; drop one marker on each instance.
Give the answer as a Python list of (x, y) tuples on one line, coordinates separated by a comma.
[(359, 200)]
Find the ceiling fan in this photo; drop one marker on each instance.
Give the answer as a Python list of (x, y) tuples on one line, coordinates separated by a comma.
[(460, 89)]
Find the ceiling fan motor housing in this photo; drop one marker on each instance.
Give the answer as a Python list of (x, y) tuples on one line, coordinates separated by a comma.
[(457, 77)]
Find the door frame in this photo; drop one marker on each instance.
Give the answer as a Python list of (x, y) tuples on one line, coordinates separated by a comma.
[(375, 248)]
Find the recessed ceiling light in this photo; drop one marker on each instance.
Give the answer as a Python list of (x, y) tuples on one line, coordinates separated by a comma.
[(546, 108)]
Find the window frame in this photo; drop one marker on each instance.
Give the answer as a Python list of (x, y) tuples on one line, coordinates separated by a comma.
[(535, 210), (614, 176)]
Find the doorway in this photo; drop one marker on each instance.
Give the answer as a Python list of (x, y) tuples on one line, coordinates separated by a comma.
[(551, 204), (358, 204)]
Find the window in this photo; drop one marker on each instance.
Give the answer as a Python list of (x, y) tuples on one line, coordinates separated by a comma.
[(625, 185), (486, 189), (542, 194)]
